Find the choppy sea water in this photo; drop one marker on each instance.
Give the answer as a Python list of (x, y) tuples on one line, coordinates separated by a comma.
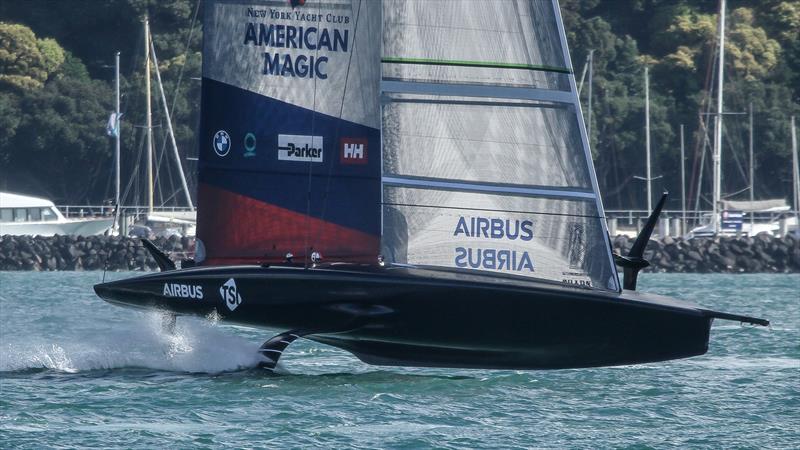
[(77, 372)]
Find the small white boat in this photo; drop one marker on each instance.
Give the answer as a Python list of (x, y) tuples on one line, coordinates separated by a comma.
[(21, 215), (774, 218)]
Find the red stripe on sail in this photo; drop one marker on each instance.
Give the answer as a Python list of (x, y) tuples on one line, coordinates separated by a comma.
[(237, 229)]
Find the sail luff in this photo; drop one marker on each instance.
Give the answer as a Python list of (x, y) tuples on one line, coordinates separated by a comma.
[(585, 139)]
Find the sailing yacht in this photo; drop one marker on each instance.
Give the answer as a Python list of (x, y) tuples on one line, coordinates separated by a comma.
[(409, 181)]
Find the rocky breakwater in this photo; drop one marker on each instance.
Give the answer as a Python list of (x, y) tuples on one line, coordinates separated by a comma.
[(759, 254), (84, 252), (732, 255)]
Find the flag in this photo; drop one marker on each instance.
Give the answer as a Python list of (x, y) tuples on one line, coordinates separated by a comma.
[(112, 127)]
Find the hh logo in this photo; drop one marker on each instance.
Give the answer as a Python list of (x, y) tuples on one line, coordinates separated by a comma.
[(353, 151), (230, 295)]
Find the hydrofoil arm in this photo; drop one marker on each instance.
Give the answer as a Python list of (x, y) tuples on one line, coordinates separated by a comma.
[(738, 318)]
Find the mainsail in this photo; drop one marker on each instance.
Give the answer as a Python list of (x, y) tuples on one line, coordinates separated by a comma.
[(432, 132), (485, 159), (290, 131)]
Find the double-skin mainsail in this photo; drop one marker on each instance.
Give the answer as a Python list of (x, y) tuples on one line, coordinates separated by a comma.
[(435, 133)]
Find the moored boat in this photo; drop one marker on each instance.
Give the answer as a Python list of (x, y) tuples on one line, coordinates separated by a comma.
[(22, 215)]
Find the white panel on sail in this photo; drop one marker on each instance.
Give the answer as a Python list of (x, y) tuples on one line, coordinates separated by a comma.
[(300, 55), (547, 238), (467, 41), (484, 140)]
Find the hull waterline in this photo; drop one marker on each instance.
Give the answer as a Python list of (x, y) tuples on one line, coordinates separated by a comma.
[(433, 318)]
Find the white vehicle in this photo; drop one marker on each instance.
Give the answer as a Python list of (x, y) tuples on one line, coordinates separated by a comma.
[(21, 215)]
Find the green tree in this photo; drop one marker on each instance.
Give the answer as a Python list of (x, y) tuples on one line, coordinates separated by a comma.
[(60, 139), (26, 62), (108, 26), (52, 117), (9, 122)]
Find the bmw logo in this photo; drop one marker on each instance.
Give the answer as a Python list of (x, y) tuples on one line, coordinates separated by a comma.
[(222, 143)]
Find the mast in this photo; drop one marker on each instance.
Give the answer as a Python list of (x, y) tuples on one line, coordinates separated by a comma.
[(702, 166), (169, 128), (647, 134), (795, 172), (752, 170), (717, 194), (116, 145), (648, 176), (149, 116), (589, 121), (683, 186)]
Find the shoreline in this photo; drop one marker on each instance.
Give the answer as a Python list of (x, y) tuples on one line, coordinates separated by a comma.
[(760, 254)]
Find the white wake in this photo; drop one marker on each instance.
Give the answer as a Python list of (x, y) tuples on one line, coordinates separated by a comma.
[(196, 346)]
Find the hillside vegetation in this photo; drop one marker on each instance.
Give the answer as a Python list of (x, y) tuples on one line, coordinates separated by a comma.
[(56, 92)]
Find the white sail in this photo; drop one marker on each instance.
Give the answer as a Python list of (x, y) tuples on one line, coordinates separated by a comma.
[(485, 158)]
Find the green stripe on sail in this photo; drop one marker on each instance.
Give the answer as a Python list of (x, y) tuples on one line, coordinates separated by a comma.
[(482, 64)]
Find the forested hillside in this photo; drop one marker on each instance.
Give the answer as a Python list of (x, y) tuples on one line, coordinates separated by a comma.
[(677, 39), (56, 92)]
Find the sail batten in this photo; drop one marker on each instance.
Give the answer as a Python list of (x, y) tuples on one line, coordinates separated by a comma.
[(492, 188), (467, 90), (464, 63)]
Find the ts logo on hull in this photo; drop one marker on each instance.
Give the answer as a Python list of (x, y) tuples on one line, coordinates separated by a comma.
[(353, 151), (230, 294)]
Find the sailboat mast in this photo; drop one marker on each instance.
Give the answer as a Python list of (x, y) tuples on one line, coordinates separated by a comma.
[(171, 133), (647, 134), (683, 186), (149, 116), (752, 170), (795, 171), (117, 145), (717, 194)]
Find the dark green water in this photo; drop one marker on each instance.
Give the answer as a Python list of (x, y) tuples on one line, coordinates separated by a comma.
[(77, 372)]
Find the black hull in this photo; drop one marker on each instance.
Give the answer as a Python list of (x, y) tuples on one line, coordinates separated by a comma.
[(434, 318)]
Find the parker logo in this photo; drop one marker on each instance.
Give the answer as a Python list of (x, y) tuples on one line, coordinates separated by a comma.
[(183, 291), (299, 148), (353, 150), (230, 294)]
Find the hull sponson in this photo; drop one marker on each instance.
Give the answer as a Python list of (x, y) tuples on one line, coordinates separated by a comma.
[(240, 229), (415, 317)]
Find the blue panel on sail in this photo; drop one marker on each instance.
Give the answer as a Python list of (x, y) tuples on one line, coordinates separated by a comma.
[(278, 153)]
